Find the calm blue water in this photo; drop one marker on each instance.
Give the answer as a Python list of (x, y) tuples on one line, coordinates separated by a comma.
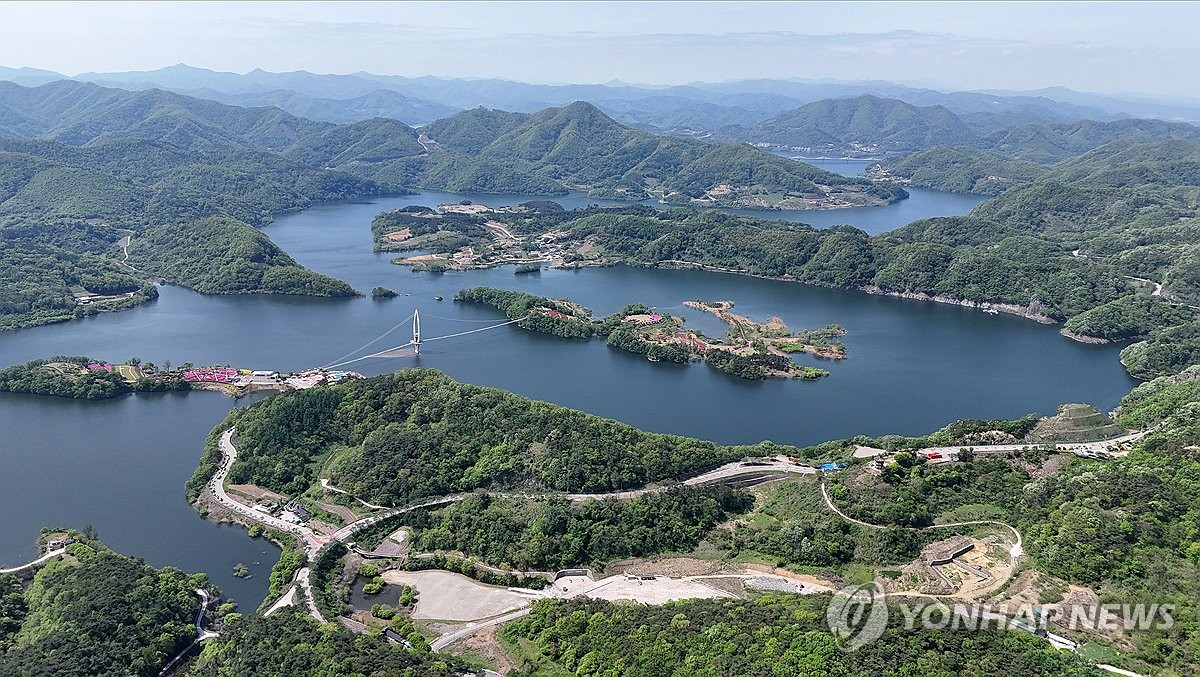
[(120, 465), (921, 204)]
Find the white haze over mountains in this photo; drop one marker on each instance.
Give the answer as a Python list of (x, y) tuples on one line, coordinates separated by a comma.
[(1099, 47)]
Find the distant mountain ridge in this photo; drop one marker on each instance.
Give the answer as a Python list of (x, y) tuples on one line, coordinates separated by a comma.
[(692, 109), (866, 122), (108, 190), (1117, 153), (78, 113), (578, 147), (381, 103), (870, 125), (575, 147)]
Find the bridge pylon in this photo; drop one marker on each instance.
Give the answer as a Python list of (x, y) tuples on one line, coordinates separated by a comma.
[(417, 331)]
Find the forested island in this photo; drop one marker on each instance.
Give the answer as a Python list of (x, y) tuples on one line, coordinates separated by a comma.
[(750, 350), (85, 378)]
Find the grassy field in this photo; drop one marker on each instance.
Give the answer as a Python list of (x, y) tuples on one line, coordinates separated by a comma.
[(1098, 652), (130, 373), (64, 368)]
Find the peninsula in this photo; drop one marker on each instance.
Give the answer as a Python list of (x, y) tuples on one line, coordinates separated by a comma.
[(751, 350), (85, 378)]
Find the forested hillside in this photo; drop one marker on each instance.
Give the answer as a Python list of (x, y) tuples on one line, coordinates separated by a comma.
[(249, 262), (1162, 160), (65, 214), (966, 258), (869, 122), (291, 643), (1120, 527), (579, 147), (95, 612), (78, 114), (36, 281), (162, 178), (417, 433), (964, 170), (772, 635), (553, 534)]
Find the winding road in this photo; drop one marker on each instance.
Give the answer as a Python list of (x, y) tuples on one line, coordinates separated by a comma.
[(1077, 448), (313, 542), (769, 469), (1015, 552), (202, 634), (29, 566), (446, 640), (328, 486), (1157, 285)]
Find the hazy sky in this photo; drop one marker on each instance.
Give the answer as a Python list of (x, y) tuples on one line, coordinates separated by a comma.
[(1106, 47)]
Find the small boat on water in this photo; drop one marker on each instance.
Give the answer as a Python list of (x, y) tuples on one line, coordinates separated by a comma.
[(991, 311), (437, 298)]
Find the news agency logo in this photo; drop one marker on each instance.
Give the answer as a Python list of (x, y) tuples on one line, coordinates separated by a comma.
[(857, 615)]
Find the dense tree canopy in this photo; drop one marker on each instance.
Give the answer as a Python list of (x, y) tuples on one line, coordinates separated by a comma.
[(96, 613), (530, 535), (417, 433), (773, 635), (291, 644)]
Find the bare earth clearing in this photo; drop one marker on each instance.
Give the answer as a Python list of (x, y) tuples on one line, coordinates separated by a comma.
[(445, 596)]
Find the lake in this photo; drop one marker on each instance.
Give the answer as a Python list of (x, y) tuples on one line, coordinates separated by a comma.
[(121, 465)]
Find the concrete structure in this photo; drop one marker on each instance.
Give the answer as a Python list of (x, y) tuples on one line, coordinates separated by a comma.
[(945, 553)]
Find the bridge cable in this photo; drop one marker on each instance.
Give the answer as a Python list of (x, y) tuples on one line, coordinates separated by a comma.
[(367, 357), (464, 333), (383, 353), (370, 343)]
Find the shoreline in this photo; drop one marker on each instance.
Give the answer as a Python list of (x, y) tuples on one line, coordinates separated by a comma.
[(1008, 308), (1084, 338), (1027, 312)]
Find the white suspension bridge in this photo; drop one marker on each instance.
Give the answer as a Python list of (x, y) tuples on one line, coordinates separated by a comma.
[(415, 344)]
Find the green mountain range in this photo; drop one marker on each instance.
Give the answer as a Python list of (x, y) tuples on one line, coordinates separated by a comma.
[(80, 113), (1123, 153), (871, 125), (875, 124), (104, 190), (578, 147)]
